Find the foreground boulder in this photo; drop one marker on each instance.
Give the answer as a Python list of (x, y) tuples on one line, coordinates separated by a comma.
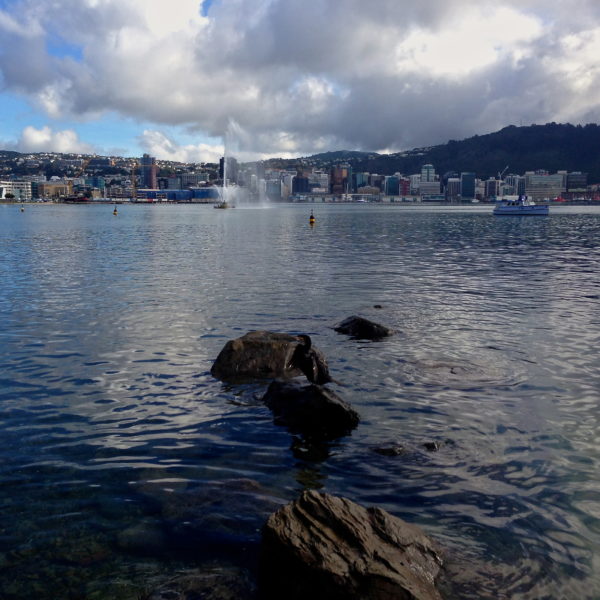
[(323, 546), (312, 410), (262, 355), (361, 328)]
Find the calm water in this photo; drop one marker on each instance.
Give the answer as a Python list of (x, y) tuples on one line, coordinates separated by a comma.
[(123, 462)]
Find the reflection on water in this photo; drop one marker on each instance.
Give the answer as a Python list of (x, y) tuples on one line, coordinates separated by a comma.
[(123, 460)]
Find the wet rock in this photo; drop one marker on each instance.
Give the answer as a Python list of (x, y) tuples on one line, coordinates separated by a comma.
[(431, 446), (395, 450), (361, 328), (142, 538), (260, 355), (323, 546), (311, 410)]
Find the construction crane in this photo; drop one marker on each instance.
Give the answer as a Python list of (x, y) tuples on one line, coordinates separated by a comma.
[(501, 174)]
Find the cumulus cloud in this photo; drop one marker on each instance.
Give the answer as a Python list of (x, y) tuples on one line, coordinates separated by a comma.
[(157, 143), (305, 76), (47, 140)]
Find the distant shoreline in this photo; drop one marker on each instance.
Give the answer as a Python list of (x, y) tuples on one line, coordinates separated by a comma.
[(276, 203)]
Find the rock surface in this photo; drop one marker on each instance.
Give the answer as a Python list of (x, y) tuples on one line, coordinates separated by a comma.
[(361, 328), (311, 410), (323, 546), (259, 355)]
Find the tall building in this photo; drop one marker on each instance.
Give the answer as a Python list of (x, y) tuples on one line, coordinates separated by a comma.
[(452, 188), (229, 170), (427, 173), (392, 185), (149, 172), (492, 188), (300, 184), (467, 185), (577, 182), (339, 179)]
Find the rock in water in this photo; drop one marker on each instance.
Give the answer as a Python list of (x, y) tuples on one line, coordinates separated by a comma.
[(311, 410), (323, 546), (259, 355), (361, 328)]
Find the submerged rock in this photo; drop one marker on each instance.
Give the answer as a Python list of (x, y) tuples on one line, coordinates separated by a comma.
[(361, 328), (261, 355), (323, 546), (210, 582), (311, 410)]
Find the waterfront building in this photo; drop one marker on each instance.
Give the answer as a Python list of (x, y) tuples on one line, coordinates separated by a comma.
[(540, 185), (191, 180), (359, 180), (232, 169), (452, 188), (467, 185), (577, 182), (377, 181), (339, 179), (392, 186), (415, 183), (491, 188), (148, 172), (300, 184), (273, 189), (430, 190), (55, 189), (428, 173)]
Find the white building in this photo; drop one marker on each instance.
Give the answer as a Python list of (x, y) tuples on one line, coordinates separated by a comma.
[(21, 190)]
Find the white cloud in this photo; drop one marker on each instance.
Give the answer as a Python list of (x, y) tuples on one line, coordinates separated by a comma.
[(48, 140), (295, 75), (164, 147)]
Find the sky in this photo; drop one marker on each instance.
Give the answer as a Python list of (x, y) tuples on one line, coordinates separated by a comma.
[(180, 78)]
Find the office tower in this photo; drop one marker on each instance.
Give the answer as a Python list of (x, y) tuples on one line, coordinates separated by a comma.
[(149, 172)]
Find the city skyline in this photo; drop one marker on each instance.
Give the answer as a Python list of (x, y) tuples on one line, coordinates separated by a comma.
[(134, 77)]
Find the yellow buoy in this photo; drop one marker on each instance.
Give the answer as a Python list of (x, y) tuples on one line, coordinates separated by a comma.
[(311, 219), (115, 211)]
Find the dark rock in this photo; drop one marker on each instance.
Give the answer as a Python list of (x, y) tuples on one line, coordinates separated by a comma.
[(432, 446), (260, 355), (361, 328), (395, 450), (143, 538), (322, 546), (377, 306), (311, 410)]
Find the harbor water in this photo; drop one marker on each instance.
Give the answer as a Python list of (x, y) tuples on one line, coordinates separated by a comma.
[(124, 463)]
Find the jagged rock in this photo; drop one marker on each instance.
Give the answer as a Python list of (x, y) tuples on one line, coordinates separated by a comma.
[(361, 328), (323, 546), (260, 355), (311, 410)]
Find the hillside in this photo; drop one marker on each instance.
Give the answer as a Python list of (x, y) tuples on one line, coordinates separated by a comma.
[(552, 147)]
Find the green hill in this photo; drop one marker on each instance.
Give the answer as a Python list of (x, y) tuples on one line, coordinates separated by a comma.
[(552, 147)]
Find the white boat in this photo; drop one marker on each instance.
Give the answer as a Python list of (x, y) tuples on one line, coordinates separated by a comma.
[(520, 205)]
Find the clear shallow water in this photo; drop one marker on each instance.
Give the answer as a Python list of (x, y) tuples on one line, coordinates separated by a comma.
[(122, 461)]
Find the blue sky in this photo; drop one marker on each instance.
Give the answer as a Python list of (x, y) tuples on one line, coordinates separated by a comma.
[(288, 77)]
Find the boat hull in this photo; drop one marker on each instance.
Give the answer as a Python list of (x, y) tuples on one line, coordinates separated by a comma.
[(538, 209)]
